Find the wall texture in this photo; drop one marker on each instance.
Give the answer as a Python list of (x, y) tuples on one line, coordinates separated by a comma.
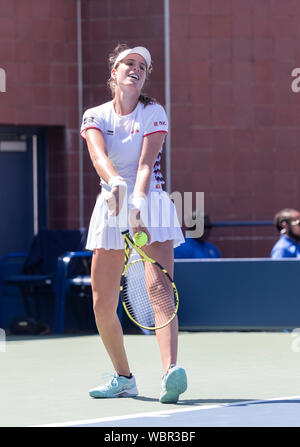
[(235, 130), (38, 50), (235, 127)]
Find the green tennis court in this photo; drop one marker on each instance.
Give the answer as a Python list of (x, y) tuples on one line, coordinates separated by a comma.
[(45, 381)]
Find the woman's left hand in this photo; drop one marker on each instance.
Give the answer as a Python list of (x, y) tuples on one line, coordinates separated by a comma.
[(137, 224)]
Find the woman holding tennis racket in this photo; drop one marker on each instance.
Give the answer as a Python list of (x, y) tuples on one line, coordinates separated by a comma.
[(125, 138)]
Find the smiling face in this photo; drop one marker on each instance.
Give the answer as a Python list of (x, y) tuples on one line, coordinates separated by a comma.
[(130, 73)]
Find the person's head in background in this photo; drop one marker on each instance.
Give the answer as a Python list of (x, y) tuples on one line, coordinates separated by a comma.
[(207, 225), (287, 222)]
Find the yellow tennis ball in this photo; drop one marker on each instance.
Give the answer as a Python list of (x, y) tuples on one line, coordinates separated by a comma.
[(140, 239)]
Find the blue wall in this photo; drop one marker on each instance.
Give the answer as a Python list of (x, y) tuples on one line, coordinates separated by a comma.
[(217, 294), (238, 293)]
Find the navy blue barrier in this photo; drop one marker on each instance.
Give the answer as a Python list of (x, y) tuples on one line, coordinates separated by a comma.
[(65, 282), (238, 294), (28, 281), (10, 264), (221, 294), (67, 286), (215, 294)]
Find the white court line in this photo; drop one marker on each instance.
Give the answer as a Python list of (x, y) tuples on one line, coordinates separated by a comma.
[(158, 414)]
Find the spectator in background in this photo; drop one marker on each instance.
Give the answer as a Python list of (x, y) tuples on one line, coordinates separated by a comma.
[(287, 222), (198, 247)]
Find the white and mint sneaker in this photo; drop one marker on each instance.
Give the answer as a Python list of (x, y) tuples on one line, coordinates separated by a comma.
[(174, 383), (118, 386)]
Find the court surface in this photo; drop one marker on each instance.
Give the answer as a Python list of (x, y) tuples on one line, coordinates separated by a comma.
[(235, 379)]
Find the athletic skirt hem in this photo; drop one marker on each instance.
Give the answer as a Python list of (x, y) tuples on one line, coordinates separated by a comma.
[(161, 222)]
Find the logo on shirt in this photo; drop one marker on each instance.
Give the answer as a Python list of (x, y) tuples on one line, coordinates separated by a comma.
[(160, 123), (109, 132), (134, 131), (89, 120)]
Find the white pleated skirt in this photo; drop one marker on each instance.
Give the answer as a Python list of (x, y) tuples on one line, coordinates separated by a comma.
[(160, 218)]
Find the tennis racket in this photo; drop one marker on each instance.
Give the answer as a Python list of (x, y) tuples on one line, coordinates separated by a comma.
[(148, 293)]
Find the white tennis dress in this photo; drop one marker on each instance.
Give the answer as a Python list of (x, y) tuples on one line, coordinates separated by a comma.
[(123, 135)]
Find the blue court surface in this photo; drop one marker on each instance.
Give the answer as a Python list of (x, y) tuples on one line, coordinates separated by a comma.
[(282, 412)]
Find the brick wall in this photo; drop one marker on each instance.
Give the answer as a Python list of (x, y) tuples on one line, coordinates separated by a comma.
[(38, 50), (234, 119), (235, 126)]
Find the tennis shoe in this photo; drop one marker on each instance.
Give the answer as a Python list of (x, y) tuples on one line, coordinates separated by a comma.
[(118, 386), (173, 384)]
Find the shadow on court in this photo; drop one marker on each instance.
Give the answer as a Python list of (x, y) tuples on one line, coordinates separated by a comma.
[(272, 402), (196, 402)]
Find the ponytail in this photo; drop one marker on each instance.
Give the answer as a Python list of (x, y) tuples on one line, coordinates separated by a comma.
[(146, 100)]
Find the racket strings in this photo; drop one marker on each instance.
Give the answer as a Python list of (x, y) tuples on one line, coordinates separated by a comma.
[(148, 294)]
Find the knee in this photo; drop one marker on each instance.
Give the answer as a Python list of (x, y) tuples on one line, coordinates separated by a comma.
[(103, 307)]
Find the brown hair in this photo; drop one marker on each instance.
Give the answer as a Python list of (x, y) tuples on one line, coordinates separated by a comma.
[(111, 82)]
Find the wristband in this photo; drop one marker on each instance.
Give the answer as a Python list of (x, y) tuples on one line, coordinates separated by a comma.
[(139, 203), (117, 181)]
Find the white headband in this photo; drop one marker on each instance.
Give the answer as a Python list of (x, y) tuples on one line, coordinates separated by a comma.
[(142, 51)]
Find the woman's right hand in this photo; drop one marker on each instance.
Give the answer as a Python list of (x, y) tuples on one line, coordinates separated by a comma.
[(115, 200)]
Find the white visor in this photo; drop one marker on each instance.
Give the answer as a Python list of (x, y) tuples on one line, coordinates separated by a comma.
[(142, 51)]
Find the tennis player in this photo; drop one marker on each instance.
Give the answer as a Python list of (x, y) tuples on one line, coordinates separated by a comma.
[(125, 138)]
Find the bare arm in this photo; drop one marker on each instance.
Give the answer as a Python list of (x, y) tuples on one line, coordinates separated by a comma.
[(98, 153), (150, 150), (106, 170)]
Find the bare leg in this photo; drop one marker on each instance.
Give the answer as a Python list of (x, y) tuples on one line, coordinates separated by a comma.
[(167, 337), (106, 272)]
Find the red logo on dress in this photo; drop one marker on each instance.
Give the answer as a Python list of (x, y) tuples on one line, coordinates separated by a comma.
[(155, 123)]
